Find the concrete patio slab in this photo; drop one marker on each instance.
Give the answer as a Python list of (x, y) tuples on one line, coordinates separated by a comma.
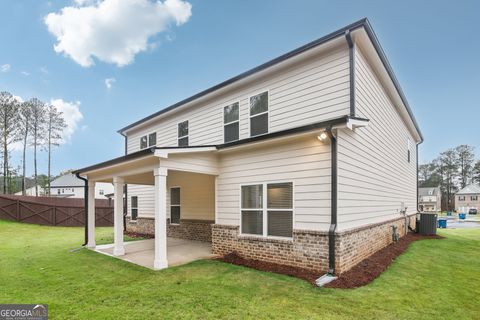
[(179, 251)]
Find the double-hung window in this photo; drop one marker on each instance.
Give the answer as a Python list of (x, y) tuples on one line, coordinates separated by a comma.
[(134, 207), (461, 198), (183, 134), (149, 140), (175, 205), (473, 198), (231, 122), (267, 209), (259, 114)]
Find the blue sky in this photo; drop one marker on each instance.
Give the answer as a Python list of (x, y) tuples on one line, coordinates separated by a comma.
[(431, 45)]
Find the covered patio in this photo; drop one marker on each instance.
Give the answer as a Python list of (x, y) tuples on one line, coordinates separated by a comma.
[(149, 167), (179, 251)]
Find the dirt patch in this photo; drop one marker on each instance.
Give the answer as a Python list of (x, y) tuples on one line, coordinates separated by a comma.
[(301, 273), (138, 235), (370, 268), (360, 275)]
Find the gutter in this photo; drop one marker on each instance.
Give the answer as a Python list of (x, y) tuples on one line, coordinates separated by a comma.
[(85, 197)]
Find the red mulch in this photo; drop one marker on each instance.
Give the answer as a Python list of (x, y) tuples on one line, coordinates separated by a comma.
[(360, 275), (369, 269), (138, 235)]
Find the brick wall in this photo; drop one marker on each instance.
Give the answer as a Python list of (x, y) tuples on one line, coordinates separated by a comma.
[(355, 245), (309, 249), (200, 230)]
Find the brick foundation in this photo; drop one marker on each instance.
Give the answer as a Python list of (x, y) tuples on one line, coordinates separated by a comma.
[(353, 246), (309, 249), (200, 230)]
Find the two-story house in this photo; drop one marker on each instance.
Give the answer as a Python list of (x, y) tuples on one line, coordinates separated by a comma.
[(306, 160), (468, 198), (429, 199), (69, 186)]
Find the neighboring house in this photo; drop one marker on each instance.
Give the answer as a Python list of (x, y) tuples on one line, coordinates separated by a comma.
[(31, 191), (468, 198), (429, 199), (69, 186), (307, 160)]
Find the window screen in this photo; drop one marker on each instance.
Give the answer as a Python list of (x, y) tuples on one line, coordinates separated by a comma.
[(152, 139), (252, 222), (143, 142), (134, 207), (280, 209), (231, 122), (175, 205), (259, 114), (280, 223), (252, 196), (183, 134)]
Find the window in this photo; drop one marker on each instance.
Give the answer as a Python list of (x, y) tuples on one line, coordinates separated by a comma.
[(149, 140), (134, 207), (143, 142), (101, 192), (259, 114), (270, 216), (408, 150), (152, 139), (58, 191), (183, 134), (175, 205), (231, 122), (474, 198), (461, 198)]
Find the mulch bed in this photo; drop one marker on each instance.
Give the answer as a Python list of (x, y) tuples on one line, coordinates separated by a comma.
[(369, 269), (360, 275), (301, 273), (138, 235)]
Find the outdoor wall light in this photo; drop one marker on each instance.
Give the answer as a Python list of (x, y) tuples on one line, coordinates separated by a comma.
[(322, 136)]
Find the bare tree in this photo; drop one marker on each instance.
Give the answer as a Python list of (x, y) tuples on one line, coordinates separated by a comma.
[(37, 128), (55, 126), (447, 164), (25, 116), (9, 107), (466, 158)]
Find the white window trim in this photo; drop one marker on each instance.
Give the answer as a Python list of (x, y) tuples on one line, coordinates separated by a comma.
[(187, 135), (227, 123), (175, 205), (147, 136), (132, 207), (258, 114), (265, 210)]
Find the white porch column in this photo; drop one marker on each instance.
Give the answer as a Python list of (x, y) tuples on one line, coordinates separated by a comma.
[(119, 249), (160, 261), (91, 214)]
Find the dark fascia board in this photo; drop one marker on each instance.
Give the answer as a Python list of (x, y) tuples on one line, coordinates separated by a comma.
[(341, 32), (278, 134), (358, 24)]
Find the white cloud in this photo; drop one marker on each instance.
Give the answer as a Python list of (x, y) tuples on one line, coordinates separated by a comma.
[(44, 70), (109, 82), (25, 73), (5, 68), (72, 115), (113, 31)]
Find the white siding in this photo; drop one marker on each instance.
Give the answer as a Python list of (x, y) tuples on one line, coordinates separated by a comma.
[(305, 162), (374, 176), (310, 91), (197, 196)]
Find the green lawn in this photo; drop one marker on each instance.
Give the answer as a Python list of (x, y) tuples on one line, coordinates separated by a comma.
[(434, 279)]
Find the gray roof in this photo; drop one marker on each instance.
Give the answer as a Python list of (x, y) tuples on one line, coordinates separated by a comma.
[(67, 180), (426, 191), (470, 189)]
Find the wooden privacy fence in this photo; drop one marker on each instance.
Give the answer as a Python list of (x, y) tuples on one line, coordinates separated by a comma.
[(52, 211)]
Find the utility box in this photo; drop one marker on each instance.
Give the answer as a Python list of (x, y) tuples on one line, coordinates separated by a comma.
[(427, 224)]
